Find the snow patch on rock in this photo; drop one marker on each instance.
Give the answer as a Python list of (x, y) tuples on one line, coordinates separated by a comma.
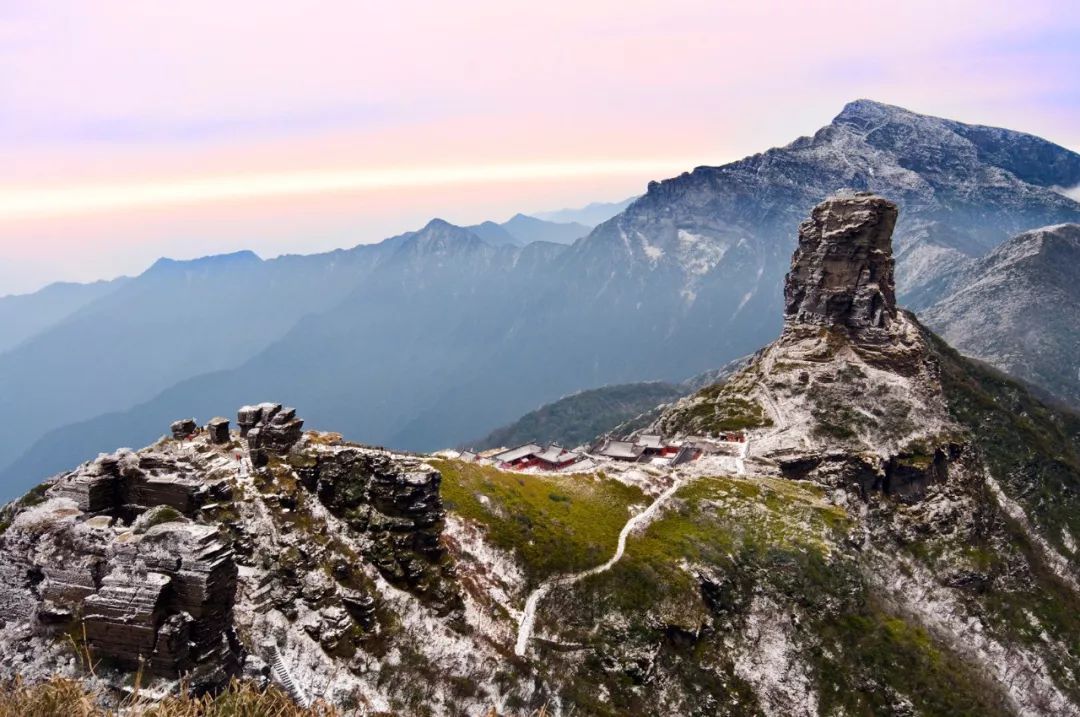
[(769, 660), (1055, 560), (1022, 675)]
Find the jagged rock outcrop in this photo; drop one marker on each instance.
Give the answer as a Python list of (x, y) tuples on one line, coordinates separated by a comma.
[(247, 418), (842, 271), (218, 430), (396, 503), (126, 481), (849, 395), (147, 588), (160, 558), (166, 600), (269, 428), (183, 428)]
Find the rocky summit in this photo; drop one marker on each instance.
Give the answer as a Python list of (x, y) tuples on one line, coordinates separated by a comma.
[(842, 271), (850, 392), (164, 561), (867, 524), (941, 456)]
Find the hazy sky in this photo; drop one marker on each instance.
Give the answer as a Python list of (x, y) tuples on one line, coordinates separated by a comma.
[(131, 130)]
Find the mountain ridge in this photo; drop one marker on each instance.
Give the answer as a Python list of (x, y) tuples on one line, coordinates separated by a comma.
[(890, 531), (1017, 309), (693, 263)]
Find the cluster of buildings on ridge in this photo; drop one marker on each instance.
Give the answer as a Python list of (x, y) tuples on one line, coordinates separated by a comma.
[(646, 448)]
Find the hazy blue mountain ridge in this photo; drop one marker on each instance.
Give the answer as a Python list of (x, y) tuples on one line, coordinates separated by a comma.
[(435, 337), (23, 316)]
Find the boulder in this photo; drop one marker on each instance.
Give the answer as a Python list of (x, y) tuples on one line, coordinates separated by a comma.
[(247, 418), (281, 434), (218, 430), (275, 430), (183, 428)]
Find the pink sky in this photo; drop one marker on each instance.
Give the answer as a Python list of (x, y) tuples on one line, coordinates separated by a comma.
[(135, 130)]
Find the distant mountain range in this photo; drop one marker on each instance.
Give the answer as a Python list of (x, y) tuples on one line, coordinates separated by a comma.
[(521, 229), (591, 214), (579, 418), (27, 315), (434, 337), (1018, 308)]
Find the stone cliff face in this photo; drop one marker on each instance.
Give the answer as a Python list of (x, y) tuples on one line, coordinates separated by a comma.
[(397, 506), (842, 271), (112, 554), (164, 560)]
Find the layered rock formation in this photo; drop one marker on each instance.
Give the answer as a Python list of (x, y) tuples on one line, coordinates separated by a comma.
[(166, 601), (849, 394), (218, 430), (398, 505), (183, 428), (139, 554), (269, 428), (128, 482), (111, 554), (842, 271)]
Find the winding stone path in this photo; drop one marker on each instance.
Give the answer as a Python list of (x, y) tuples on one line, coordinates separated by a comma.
[(528, 618)]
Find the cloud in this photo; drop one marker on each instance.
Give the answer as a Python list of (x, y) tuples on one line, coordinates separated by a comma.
[(16, 203), (133, 111), (148, 71)]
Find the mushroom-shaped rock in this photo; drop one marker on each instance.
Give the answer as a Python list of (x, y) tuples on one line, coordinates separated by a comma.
[(183, 428), (218, 429)]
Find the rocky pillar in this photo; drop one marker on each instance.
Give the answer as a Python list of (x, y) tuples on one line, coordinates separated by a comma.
[(218, 428), (842, 271)]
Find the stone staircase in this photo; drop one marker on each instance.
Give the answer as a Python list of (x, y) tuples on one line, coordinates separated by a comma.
[(280, 672)]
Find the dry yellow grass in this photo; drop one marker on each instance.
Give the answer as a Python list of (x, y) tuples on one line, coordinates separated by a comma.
[(60, 697), (68, 698)]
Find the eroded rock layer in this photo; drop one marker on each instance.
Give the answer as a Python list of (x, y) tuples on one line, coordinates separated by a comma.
[(849, 395), (842, 271), (138, 555)]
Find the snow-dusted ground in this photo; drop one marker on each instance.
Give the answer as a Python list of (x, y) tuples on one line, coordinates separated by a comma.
[(1022, 674), (297, 658), (768, 658), (1057, 562)]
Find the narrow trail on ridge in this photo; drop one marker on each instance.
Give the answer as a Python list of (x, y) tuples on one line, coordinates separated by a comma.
[(740, 459), (772, 406), (528, 618)]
